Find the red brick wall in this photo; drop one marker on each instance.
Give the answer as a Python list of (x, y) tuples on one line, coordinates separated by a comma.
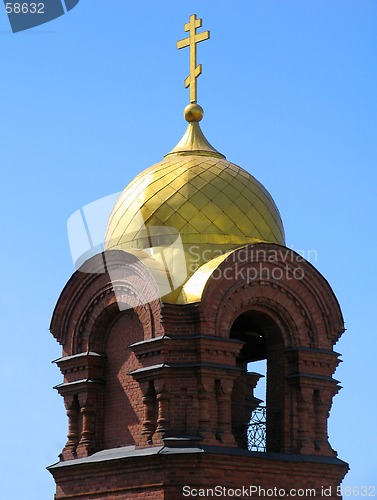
[(162, 477), (123, 410), (198, 394)]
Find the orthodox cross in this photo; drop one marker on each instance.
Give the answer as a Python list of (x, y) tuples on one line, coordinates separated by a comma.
[(191, 41)]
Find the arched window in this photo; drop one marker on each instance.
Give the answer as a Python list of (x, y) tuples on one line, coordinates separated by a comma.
[(257, 422)]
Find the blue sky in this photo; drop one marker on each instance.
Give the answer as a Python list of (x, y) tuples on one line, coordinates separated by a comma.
[(94, 97)]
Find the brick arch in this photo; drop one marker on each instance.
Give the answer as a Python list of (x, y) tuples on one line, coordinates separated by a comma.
[(92, 297), (268, 307), (283, 282), (104, 309), (269, 346)]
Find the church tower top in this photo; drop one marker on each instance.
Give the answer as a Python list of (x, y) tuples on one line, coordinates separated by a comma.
[(211, 205), (162, 332)]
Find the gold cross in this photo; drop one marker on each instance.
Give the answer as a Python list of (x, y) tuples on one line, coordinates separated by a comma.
[(191, 41)]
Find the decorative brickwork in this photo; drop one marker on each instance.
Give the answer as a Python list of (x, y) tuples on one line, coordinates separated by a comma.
[(159, 396)]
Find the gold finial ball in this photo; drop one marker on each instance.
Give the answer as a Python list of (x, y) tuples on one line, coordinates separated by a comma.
[(193, 112)]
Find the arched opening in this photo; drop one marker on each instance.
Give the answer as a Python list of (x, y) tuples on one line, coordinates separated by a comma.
[(257, 421)]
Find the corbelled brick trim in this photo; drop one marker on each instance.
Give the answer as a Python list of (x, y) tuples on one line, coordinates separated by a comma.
[(158, 396)]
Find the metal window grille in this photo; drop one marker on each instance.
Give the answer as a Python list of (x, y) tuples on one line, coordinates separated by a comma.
[(256, 430)]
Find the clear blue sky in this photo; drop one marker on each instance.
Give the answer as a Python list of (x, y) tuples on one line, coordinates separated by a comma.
[(94, 97)]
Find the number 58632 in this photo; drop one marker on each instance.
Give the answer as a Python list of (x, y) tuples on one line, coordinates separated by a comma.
[(25, 8)]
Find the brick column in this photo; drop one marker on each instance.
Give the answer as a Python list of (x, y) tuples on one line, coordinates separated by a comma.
[(322, 405), (163, 403), (149, 401), (86, 445), (223, 398), (205, 394), (73, 413), (304, 406)]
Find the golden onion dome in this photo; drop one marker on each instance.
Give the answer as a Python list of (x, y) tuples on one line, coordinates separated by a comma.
[(195, 205)]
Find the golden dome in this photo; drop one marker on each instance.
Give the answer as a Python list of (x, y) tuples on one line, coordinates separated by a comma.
[(207, 199), (193, 207), (197, 198)]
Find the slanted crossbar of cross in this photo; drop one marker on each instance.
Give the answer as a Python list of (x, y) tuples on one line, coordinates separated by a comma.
[(191, 41)]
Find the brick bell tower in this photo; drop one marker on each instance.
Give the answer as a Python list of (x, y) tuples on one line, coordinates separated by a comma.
[(160, 332)]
